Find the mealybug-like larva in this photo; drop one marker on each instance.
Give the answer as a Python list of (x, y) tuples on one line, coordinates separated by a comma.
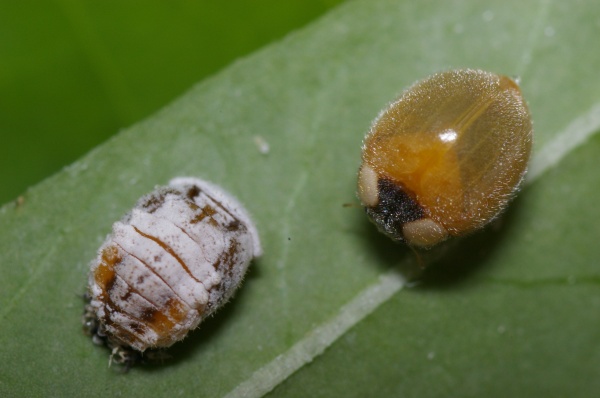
[(168, 264)]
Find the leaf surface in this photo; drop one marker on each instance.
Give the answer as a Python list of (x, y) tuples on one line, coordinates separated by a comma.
[(511, 311)]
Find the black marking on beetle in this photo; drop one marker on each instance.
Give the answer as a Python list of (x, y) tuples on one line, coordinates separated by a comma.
[(396, 207)]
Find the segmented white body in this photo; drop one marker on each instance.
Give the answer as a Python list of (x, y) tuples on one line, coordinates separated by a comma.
[(169, 263)]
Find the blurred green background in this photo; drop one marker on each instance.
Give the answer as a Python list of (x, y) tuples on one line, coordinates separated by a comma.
[(75, 72)]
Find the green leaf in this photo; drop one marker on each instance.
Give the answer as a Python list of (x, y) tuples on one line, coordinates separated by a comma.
[(511, 311)]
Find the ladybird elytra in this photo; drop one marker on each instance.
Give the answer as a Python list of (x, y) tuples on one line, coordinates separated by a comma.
[(168, 264), (446, 157)]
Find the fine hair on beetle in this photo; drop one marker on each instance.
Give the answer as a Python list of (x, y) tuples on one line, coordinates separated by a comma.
[(445, 159)]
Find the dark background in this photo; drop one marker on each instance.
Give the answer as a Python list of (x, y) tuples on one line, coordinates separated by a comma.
[(75, 72)]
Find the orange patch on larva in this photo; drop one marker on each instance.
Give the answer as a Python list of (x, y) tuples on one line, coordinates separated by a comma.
[(207, 211), (158, 321), (175, 309), (105, 274)]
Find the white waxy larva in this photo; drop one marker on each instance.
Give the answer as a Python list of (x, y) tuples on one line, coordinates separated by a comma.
[(168, 264)]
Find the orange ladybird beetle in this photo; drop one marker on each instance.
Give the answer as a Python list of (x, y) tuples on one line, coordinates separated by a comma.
[(168, 264), (445, 158)]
